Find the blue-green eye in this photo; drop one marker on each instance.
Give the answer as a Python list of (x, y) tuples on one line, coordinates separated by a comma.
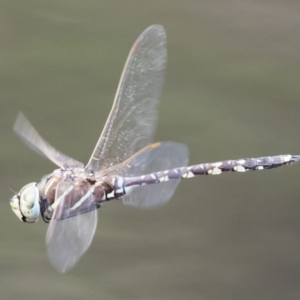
[(26, 203)]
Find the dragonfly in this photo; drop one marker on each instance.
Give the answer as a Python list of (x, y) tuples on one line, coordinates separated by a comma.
[(125, 163)]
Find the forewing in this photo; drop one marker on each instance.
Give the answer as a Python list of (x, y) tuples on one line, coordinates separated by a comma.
[(131, 122), (72, 228), (33, 140), (153, 158)]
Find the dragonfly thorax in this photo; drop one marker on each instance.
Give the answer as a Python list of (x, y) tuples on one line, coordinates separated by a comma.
[(26, 203)]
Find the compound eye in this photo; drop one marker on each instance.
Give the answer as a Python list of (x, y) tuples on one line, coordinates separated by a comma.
[(29, 201), (15, 206)]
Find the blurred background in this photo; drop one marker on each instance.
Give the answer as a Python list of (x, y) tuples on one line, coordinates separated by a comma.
[(231, 91)]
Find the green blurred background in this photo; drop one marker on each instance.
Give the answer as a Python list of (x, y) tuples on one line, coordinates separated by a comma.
[(231, 91)]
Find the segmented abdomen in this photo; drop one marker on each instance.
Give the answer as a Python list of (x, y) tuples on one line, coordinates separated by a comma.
[(240, 165)]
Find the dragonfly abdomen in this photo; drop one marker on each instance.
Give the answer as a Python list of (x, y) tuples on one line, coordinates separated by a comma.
[(112, 187), (240, 165)]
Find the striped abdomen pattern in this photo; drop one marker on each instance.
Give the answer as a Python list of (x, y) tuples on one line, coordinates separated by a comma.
[(240, 165)]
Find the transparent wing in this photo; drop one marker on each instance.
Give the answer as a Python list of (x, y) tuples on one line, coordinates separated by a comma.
[(168, 155), (153, 158), (71, 229), (32, 139), (131, 122)]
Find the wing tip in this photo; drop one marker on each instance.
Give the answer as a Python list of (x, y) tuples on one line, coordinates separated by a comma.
[(19, 122), (156, 27)]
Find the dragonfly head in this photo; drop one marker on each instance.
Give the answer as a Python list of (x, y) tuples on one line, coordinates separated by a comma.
[(26, 203)]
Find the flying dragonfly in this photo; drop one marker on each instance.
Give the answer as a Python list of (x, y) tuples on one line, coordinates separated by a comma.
[(125, 164)]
